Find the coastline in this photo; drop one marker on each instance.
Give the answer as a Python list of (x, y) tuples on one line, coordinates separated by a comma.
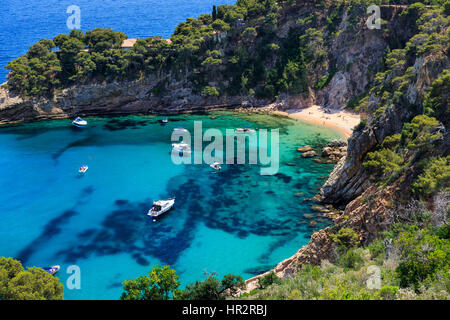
[(342, 121)]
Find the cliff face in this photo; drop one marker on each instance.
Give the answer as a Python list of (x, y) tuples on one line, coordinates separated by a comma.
[(113, 99), (352, 56), (367, 207), (349, 179)]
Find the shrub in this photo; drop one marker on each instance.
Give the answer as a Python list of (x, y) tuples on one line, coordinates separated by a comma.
[(16, 283), (209, 91), (391, 142), (420, 132), (436, 176), (423, 255), (388, 292), (346, 237), (268, 280), (160, 284), (377, 249), (351, 259), (382, 161)]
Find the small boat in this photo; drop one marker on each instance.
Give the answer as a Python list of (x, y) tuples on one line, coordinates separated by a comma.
[(181, 147), (215, 166), (160, 207), (165, 120), (52, 270), (83, 169), (245, 130), (180, 129), (78, 122)]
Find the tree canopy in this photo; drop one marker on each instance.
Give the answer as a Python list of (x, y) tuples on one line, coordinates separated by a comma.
[(16, 283)]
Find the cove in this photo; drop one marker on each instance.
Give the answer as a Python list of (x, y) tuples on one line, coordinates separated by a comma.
[(235, 221)]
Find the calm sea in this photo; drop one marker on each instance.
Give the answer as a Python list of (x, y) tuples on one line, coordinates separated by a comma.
[(234, 221)]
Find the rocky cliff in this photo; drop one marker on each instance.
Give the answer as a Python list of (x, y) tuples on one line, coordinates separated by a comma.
[(117, 98), (352, 54)]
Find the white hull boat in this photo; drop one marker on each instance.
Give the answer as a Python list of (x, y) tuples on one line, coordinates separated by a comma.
[(215, 166), (160, 207), (180, 129), (83, 169), (78, 122), (181, 147)]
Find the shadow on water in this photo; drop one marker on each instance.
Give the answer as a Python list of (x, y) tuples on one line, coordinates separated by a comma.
[(52, 228), (78, 143)]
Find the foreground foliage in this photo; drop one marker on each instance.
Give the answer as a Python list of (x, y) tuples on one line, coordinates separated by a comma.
[(16, 283), (162, 284)]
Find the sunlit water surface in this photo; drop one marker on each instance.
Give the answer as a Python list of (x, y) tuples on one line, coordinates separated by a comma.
[(234, 221)]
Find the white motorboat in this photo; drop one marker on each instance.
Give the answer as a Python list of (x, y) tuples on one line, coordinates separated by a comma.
[(215, 166), (180, 129), (83, 169), (181, 147), (78, 122), (160, 207), (165, 120)]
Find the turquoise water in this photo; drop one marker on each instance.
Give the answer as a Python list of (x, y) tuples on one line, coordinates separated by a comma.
[(235, 221)]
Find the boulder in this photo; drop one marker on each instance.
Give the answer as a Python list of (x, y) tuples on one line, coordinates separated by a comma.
[(309, 154), (305, 149)]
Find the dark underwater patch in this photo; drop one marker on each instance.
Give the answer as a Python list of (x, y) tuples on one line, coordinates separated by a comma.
[(78, 143), (259, 269), (51, 229)]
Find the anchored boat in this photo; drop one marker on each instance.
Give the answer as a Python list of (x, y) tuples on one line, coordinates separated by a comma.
[(53, 269), (245, 130), (83, 169), (181, 147), (215, 166), (160, 207), (78, 122), (180, 129)]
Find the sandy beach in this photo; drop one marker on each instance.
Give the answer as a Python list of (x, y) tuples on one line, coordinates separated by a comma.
[(340, 120)]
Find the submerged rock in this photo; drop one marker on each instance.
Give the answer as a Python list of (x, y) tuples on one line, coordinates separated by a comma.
[(309, 154), (305, 148)]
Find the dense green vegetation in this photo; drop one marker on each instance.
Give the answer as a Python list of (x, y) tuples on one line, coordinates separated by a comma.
[(162, 284), (234, 50), (412, 262), (16, 283)]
